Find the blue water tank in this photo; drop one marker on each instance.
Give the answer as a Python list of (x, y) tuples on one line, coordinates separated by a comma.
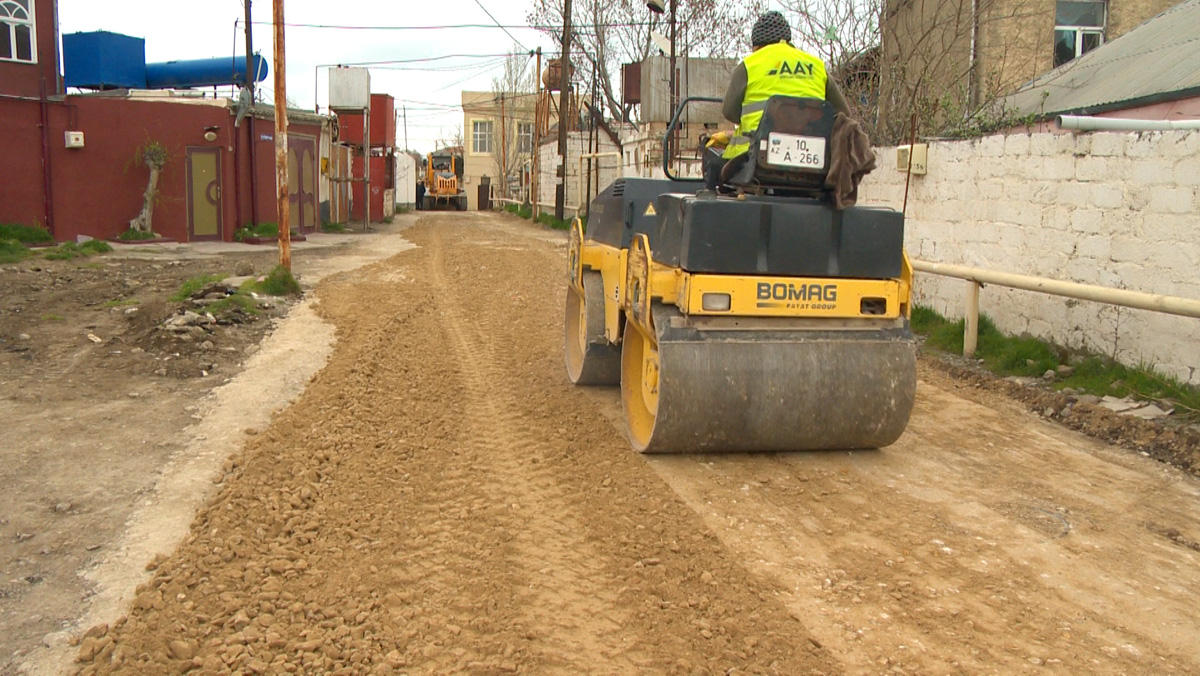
[(103, 60), (221, 70)]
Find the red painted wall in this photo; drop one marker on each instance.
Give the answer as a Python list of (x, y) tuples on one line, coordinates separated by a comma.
[(24, 79), (382, 179), (97, 189), (383, 123)]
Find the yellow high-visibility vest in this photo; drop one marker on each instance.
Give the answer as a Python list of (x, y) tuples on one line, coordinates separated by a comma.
[(775, 70)]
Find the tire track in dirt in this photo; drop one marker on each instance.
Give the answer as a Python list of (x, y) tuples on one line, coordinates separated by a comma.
[(570, 596), (439, 500)]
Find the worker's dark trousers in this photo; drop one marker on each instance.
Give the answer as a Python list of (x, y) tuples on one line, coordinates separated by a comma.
[(717, 170)]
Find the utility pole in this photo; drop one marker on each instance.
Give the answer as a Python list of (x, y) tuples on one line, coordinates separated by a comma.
[(367, 163), (503, 150), (281, 140), (405, 109), (564, 105), (250, 78), (537, 112)]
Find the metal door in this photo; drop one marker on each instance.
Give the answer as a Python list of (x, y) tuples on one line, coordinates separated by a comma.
[(302, 180), (204, 193)]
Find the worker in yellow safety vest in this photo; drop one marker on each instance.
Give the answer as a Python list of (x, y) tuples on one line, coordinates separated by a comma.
[(774, 67)]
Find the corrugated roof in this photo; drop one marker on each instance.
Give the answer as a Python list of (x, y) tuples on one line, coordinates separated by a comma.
[(1157, 61)]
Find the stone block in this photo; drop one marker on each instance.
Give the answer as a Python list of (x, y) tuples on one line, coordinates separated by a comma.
[(1152, 171), (1172, 200), (1088, 221), (1109, 143), (1016, 145), (1097, 248), (991, 146), (1187, 172), (1143, 145), (1042, 144), (1074, 144), (1108, 195), (1092, 168), (1057, 218), (1073, 194), (1058, 167)]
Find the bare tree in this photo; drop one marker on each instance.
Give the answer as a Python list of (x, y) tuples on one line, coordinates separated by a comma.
[(608, 33), (512, 105), (154, 156)]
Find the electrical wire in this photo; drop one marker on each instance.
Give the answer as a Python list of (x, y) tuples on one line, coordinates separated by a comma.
[(506, 31), (505, 27)]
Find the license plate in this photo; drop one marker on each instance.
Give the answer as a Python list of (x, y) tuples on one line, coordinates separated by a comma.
[(789, 150)]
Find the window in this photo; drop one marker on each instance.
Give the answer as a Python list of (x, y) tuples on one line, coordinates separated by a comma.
[(17, 34), (524, 137), (1078, 28), (481, 136)]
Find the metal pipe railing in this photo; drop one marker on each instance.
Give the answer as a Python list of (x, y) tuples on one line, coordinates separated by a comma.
[(977, 277)]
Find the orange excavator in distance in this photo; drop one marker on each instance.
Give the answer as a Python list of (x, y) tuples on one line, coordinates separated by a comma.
[(443, 189)]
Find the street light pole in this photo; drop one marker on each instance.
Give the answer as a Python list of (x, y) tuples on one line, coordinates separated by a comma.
[(674, 84)]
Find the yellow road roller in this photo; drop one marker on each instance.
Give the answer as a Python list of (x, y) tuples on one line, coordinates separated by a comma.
[(763, 319)]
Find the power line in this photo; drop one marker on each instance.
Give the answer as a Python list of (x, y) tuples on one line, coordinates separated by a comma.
[(505, 27), (506, 31)]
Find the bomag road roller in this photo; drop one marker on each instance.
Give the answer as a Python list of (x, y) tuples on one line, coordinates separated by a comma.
[(761, 320)]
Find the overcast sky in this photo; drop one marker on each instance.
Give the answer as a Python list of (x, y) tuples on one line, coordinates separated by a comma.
[(192, 30)]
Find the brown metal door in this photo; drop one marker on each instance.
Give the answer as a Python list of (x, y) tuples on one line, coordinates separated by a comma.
[(204, 193), (302, 180)]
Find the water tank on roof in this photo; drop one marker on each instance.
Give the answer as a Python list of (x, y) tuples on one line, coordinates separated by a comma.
[(222, 70), (103, 60)]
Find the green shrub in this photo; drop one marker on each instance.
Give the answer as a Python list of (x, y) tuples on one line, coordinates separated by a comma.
[(263, 230), (95, 246), (12, 251), (28, 234), (279, 282), (333, 227), (132, 235), (193, 285)]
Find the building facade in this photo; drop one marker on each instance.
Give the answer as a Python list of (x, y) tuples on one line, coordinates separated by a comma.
[(945, 59), (498, 141)]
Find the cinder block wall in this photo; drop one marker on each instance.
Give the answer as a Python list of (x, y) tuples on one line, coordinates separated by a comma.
[(1115, 209)]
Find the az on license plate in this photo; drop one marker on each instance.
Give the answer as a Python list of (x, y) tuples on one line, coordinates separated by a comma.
[(788, 150)]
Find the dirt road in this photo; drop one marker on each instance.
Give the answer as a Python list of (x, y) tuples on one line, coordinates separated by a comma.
[(439, 499)]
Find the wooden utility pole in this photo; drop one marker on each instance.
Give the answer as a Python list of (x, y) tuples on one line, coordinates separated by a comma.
[(537, 113), (281, 140), (503, 151), (564, 106)]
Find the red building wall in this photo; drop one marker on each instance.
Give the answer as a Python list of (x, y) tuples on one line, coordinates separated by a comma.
[(97, 189), (382, 179), (383, 123), (24, 79)]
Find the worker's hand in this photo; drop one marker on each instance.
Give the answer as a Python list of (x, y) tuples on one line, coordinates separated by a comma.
[(719, 140)]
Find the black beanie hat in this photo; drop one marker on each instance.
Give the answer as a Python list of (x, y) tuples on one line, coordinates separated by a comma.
[(770, 28)]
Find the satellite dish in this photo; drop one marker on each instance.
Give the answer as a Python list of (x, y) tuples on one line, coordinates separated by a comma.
[(660, 41)]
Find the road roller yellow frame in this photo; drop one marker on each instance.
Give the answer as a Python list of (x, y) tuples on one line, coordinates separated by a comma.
[(749, 296)]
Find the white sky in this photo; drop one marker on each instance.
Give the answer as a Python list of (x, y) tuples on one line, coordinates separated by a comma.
[(194, 30)]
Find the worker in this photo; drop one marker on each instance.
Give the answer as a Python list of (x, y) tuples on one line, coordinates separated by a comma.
[(774, 67), (420, 194)]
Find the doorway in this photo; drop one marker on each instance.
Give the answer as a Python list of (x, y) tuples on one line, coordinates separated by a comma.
[(204, 193)]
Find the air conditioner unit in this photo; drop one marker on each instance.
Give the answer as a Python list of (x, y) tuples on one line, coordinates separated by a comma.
[(920, 157)]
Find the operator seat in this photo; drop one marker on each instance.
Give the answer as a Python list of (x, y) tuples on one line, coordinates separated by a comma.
[(789, 151)]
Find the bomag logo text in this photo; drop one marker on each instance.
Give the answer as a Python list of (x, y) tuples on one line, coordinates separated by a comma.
[(791, 292)]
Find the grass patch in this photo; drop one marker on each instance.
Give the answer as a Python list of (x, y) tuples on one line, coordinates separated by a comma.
[(278, 282), (1026, 356), (132, 235), (193, 285), (333, 227), (12, 251), (68, 250), (28, 234), (264, 230), (120, 302), (241, 301)]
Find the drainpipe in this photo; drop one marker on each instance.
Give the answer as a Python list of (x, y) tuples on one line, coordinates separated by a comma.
[(1089, 123), (47, 183)]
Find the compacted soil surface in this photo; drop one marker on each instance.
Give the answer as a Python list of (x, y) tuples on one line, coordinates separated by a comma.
[(440, 499)]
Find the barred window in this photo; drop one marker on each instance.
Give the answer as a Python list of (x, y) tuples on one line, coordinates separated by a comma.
[(17, 34)]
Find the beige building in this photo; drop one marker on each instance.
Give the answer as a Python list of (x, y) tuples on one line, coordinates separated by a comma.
[(944, 59), (498, 141)]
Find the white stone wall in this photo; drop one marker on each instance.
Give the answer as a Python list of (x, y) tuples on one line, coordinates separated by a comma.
[(1115, 209), (549, 161)]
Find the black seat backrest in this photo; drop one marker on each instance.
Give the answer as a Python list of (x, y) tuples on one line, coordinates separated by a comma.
[(790, 148)]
